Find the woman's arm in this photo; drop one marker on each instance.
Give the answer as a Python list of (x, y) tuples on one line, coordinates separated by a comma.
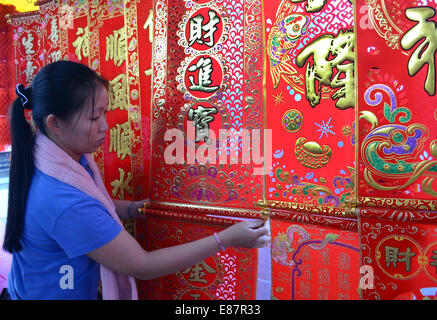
[(123, 254)]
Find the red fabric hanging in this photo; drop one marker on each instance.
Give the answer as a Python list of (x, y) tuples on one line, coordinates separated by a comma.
[(7, 78)]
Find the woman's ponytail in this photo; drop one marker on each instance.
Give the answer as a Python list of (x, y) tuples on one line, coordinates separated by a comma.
[(21, 170)]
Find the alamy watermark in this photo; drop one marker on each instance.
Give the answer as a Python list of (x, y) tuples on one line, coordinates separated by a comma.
[(67, 280), (367, 277), (201, 146)]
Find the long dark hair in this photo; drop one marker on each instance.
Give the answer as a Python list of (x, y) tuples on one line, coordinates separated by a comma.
[(61, 88)]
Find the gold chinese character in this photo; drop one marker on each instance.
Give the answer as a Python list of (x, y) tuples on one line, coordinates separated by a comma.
[(82, 43), (344, 261), (29, 71), (116, 46), (196, 296), (28, 44), (434, 260), (199, 31), (202, 117), (425, 52), (340, 48), (118, 93), (205, 67), (314, 5), (343, 281), (149, 25), (121, 185), (392, 256), (119, 140), (197, 272)]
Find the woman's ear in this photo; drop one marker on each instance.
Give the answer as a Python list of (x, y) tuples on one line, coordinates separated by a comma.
[(53, 124)]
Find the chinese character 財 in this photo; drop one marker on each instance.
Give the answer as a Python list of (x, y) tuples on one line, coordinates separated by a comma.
[(203, 33), (425, 52), (341, 49), (204, 65), (202, 117), (392, 256)]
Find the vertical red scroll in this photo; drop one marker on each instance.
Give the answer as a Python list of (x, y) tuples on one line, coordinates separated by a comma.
[(7, 75), (396, 49), (310, 108)]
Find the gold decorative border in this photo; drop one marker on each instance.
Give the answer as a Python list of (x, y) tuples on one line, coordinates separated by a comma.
[(13, 16), (204, 210), (347, 211), (395, 203), (207, 219), (43, 2)]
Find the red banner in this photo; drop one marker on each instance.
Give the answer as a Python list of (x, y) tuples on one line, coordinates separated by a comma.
[(229, 275), (310, 101), (314, 262), (401, 249), (115, 38), (396, 99), (206, 82), (396, 50)]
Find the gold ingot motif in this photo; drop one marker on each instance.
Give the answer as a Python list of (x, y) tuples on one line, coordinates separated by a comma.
[(311, 154)]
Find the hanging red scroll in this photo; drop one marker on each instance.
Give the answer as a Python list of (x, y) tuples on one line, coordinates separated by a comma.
[(209, 85), (7, 75), (310, 108), (48, 11), (104, 37), (310, 102), (229, 275), (397, 98), (115, 38), (401, 249), (199, 71), (396, 49), (28, 42)]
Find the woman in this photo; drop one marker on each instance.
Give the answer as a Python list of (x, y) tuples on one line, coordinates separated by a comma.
[(62, 228)]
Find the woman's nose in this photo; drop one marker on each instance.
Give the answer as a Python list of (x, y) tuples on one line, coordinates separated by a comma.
[(104, 126)]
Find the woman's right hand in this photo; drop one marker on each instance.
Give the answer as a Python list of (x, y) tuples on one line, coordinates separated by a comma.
[(247, 234)]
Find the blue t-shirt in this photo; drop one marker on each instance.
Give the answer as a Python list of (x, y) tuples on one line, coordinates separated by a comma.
[(62, 224)]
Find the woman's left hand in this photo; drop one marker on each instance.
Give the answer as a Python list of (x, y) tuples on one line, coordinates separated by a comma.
[(135, 206)]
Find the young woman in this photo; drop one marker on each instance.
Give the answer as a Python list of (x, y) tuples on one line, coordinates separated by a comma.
[(62, 228)]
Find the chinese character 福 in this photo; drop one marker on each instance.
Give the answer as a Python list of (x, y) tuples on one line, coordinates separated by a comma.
[(82, 42), (425, 52)]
